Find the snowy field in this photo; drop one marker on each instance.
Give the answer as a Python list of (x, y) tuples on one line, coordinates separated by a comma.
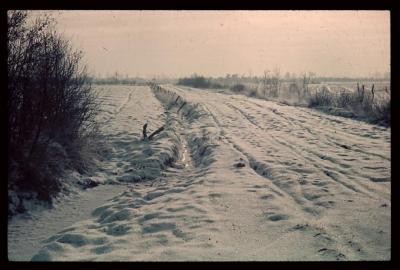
[(313, 186)]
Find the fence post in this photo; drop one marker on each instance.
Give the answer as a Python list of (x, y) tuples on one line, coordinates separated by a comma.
[(373, 93)]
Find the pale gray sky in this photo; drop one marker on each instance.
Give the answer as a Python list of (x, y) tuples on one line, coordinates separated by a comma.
[(214, 43)]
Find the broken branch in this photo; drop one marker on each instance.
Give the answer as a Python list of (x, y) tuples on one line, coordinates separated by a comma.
[(156, 132)]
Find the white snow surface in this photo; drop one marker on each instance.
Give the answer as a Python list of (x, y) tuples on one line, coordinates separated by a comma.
[(314, 186)]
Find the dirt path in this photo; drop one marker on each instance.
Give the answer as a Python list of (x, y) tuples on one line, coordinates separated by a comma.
[(314, 187)]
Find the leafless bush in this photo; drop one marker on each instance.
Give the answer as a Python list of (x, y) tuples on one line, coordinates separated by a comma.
[(382, 110), (321, 98), (238, 88), (362, 103), (271, 83), (50, 99), (345, 99), (252, 92), (305, 83)]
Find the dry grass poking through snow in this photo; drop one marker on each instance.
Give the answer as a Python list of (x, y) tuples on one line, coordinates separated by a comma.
[(365, 105)]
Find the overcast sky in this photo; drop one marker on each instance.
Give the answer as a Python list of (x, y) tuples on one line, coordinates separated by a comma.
[(214, 43)]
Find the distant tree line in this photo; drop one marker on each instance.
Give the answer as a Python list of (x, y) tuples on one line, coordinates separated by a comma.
[(270, 80), (113, 80), (199, 82)]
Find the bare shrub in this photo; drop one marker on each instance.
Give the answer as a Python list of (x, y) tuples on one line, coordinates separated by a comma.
[(321, 98), (362, 103), (50, 101), (306, 78), (271, 83), (238, 88), (253, 92), (195, 81), (345, 99), (382, 111)]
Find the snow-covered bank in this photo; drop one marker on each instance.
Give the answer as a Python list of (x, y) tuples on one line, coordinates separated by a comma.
[(131, 159), (314, 186)]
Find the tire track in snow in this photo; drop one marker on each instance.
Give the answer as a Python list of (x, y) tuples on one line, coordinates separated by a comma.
[(298, 203), (317, 133), (300, 154), (230, 123), (294, 146), (342, 135), (342, 125), (121, 106), (347, 245), (333, 246), (324, 162)]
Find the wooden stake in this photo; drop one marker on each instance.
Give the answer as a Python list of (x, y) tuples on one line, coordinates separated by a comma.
[(181, 106), (177, 99), (372, 91), (145, 131)]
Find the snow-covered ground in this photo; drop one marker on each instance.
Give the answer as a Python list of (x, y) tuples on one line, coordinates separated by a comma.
[(314, 186), (27, 231)]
